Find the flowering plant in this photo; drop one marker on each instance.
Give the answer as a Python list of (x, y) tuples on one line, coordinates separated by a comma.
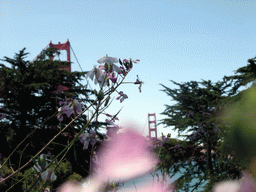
[(108, 75)]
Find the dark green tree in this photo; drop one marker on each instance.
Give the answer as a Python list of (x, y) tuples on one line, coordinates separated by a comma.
[(244, 75), (30, 103), (195, 114)]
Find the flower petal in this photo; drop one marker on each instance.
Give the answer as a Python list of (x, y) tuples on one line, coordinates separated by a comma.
[(247, 183), (151, 187), (70, 187), (117, 69), (124, 157), (227, 186), (90, 185), (108, 60)]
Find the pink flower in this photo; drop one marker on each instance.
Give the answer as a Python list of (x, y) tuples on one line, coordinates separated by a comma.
[(246, 184), (136, 61), (111, 131), (70, 187), (112, 77), (151, 187), (101, 67), (124, 157), (127, 64), (122, 96), (227, 186)]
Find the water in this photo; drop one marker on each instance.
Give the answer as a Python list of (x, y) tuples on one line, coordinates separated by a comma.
[(149, 178)]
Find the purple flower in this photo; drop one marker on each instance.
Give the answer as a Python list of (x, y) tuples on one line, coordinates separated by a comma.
[(122, 96), (69, 108), (246, 184), (127, 64), (87, 138), (112, 77), (136, 61)]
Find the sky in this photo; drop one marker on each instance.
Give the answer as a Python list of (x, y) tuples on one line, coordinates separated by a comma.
[(173, 39)]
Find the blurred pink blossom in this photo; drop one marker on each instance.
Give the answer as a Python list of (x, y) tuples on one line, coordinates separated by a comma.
[(245, 184), (124, 157), (111, 131)]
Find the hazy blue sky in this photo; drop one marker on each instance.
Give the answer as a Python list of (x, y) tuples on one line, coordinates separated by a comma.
[(174, 39)]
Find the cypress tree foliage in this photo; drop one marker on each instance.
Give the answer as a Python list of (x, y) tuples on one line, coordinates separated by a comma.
[(196, 115), (28, 103), (246, 74)]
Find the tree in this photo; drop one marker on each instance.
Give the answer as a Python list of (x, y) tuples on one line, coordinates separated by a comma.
[(30, 105), (196, 111), (246, 74)]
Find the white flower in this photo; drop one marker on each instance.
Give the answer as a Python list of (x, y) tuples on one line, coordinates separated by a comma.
[(108, 60), (98, 76), (116, 68), (48, 175)]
